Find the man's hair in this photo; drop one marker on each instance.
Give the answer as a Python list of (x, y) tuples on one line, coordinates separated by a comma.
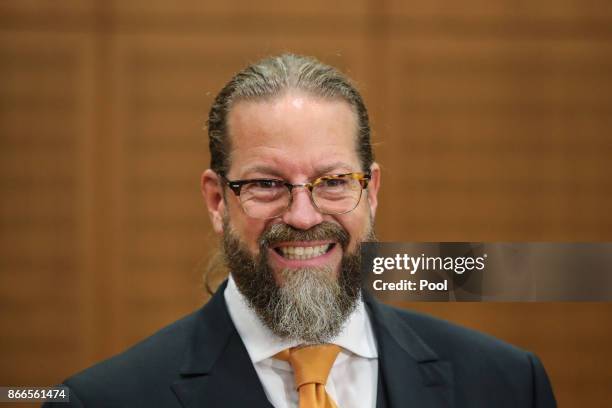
[(270, 77)]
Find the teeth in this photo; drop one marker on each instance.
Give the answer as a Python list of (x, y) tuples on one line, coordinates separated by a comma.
[(301, 253)]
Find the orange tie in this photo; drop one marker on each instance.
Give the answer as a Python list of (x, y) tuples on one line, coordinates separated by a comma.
[(311, 367)]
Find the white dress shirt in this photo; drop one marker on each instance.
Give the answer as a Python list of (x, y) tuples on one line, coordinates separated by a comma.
[(353, 379)]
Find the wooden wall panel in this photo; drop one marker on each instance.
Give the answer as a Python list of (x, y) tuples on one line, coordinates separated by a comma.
[(46, 10), (262, 9), (45, 129), (523, 10), (505, 138)]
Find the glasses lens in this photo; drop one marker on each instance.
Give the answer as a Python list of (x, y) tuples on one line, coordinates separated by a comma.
[(337, 194), (264, 198)]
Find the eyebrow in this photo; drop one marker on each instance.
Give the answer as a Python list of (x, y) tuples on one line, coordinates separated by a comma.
[(263, 168), (336, 165)]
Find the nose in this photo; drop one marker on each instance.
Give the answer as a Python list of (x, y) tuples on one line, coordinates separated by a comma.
[(302, 213)]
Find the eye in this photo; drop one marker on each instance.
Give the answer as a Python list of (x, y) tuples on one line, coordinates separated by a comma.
[(267, 184), (334, 182), (264, 190)]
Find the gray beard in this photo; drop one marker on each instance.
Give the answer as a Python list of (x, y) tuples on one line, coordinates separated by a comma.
[(312, 305)]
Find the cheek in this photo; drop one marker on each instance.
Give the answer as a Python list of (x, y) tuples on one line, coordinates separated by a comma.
[(252, 233), (356, 223), (247, 229)]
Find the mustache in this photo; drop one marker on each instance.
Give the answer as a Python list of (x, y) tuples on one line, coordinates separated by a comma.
[(321, 232)]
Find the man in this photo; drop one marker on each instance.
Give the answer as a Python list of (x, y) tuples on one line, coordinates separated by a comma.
[(292, 190)]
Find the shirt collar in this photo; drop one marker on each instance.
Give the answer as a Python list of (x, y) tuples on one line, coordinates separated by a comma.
[(357, 335)]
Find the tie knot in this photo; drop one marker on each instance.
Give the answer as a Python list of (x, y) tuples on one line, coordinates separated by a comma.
[(311, 364)]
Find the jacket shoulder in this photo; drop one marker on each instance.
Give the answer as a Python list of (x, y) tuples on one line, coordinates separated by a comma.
[(467, 348), (141, 373), (486, 371)]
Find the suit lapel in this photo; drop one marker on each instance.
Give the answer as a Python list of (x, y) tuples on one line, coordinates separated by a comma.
[(217, 370), (412, 373)]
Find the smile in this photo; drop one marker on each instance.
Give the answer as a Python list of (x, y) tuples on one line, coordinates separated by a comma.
[(303, 252)]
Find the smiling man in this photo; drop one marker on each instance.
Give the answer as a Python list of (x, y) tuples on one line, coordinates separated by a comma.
[(292, 191), (293, 201)]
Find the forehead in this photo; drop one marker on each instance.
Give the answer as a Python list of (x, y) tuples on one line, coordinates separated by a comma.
[(292, 135)]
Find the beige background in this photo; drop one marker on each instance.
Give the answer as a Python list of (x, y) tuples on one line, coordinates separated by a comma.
[(491, 119)]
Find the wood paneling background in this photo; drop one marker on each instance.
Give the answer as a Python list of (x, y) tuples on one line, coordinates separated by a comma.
[(492, 121)]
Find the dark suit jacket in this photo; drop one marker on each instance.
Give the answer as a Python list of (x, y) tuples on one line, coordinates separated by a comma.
[(201, 362)]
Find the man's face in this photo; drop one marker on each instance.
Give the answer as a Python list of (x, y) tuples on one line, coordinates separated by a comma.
[(297, 138)]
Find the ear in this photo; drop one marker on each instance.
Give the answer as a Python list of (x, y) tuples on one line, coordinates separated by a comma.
[(373, 187), (212, 191)]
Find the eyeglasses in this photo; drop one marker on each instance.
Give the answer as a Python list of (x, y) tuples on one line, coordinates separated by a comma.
[(270, 198)]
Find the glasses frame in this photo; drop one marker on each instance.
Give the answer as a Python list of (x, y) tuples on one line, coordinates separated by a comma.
[(236, 187)]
